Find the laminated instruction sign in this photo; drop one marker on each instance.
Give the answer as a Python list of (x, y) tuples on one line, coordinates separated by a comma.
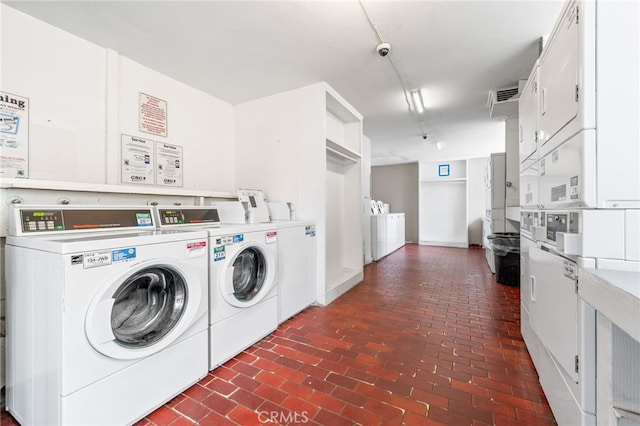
[(137, 160), (168, 164), (152, 115), (14, 136)]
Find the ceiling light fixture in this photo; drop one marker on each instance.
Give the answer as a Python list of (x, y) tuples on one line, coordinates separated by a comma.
[(418, 104)]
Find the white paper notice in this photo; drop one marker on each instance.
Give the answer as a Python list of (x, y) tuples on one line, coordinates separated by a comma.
[(14, 136), (137, 160), (152, 115), (168, 164)]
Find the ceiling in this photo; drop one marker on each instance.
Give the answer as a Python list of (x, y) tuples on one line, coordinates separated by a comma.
[(454, 51)]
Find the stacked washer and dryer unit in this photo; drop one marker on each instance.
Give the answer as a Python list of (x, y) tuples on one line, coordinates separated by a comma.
[(106, 317), (580, 198)]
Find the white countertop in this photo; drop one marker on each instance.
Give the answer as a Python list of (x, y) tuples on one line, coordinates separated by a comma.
[(615, 294)]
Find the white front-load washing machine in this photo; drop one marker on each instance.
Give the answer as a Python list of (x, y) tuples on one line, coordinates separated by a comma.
[(104, 326), (243, 275)]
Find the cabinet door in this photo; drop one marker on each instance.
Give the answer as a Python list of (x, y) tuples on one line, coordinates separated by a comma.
[(528, 117), (558, 77), (554, 306), (401, 230)]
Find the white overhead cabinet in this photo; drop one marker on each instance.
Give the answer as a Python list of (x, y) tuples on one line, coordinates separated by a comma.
[(304, 146)]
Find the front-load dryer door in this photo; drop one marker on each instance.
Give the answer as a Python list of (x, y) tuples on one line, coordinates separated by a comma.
[(144, 310), (250, 274)]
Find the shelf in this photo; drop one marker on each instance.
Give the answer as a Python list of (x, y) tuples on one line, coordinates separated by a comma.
[(340, 154), (513, 213), (337, 106), (445, 180), (118, 189)]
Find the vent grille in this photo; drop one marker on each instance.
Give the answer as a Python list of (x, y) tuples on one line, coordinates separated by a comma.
[(506, 94)]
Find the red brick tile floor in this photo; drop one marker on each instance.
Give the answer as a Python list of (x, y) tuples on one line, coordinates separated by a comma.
[(427, 338)]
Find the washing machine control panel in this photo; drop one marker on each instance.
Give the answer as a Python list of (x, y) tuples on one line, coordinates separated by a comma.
[(60, 220), (207, 216), (42, 220)]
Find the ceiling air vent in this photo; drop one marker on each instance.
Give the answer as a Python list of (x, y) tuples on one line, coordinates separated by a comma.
[(504, 102), (506, 94)]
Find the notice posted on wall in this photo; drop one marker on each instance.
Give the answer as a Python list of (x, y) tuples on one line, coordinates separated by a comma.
[(152, 115), (137, 160), (14, 136), (168, 164)]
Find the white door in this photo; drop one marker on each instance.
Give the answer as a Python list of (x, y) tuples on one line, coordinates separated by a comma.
[(528, 117), (554, 306), (558, 77)]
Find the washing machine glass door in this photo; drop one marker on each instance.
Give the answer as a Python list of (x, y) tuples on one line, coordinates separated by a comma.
[(147, 306), (249, 274)]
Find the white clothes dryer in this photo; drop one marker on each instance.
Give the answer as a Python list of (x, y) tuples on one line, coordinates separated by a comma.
[(243, 274), (105, 326), (296, 267)]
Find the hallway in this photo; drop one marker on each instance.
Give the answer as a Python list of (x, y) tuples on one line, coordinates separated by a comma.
[(429, 337)]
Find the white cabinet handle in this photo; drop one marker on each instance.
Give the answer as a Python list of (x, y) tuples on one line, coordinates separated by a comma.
[(533, 289), (521, 138)]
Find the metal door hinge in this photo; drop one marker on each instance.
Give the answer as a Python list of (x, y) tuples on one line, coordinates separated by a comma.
[(577, 14), (577, 93), (535, 136), (577, 363), (576, 286)]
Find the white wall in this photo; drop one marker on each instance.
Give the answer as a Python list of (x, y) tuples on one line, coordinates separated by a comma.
[(268, 146), (64, 78), (201, 124), (83, 96), (443, 213), (398, 185), (443, 204)]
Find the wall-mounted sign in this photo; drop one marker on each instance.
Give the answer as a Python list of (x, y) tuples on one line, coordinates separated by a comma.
[(14, 136), (443, 170), (137, 164), (169, 164), (152, 115)]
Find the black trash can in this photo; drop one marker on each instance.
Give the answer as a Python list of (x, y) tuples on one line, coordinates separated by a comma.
[(506, 254)]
